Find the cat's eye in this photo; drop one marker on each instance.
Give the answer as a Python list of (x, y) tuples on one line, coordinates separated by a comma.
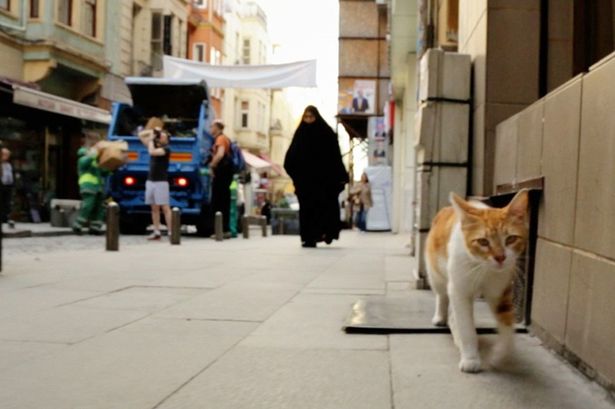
[(511, 239), (483, 242)]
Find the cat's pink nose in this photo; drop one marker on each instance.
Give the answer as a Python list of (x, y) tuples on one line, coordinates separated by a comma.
[(500, 258)]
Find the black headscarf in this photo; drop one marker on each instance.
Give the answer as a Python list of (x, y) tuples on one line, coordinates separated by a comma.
[(313, 159)]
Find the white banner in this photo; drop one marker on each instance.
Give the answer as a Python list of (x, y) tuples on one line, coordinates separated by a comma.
[(296, 74)]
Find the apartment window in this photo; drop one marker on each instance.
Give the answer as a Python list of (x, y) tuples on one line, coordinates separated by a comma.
[(65, 12), (5, 5), (156, 41), (245, 110), (261, 117), (202, 4), (89, 18), (198, 52), (215, 56), (167, 34), (246, 51), (263, 53), (34, 8), (212, 55)]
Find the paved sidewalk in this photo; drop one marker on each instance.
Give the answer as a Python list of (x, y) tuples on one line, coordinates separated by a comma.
[(241, 324), (22, 230)]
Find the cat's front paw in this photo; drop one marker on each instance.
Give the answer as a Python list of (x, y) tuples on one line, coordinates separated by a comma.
[(439, 321), (470, 365)]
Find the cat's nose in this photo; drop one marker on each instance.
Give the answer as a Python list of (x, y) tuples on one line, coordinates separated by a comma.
[(500, 258)]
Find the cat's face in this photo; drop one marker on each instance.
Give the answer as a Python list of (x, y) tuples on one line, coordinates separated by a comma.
[(494, 237)]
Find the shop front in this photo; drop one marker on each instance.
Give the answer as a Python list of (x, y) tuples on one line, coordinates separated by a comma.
[(43, 133)]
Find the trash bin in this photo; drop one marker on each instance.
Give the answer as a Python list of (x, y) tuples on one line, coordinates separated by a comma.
[(284, 221), (64, 212)]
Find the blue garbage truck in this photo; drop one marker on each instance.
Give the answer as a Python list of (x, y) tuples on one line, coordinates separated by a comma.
[(184, 107)]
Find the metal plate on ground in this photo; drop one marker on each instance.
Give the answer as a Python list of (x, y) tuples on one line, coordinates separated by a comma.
[(409, 315)]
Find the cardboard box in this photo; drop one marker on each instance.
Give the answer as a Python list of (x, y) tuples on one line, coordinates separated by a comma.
[(112, 155)]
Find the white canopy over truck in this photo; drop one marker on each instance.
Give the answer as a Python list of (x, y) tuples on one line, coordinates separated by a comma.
[(295, 74)]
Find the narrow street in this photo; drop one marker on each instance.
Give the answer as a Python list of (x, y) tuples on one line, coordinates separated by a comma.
[(239, 324)]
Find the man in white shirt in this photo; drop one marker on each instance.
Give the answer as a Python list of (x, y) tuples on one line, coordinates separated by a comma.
[(8, 182)]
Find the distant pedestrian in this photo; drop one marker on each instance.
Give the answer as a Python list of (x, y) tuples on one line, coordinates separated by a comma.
[(8, 183), (314, 162), (362, 194), (91, 189), (221, 168), (157, 185)]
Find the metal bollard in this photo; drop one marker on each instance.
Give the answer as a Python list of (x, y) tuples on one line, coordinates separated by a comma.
[(176, 226), (263, 223), (245, 227), (113, 227), (218, 227), (281, 224)]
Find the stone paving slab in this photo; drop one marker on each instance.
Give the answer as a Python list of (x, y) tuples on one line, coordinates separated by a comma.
[(67, 324), (15, 353), (425, 375), (12, 303), (133, 367), (245, 301), (270, 378), (312, 321), (140, 298), (122, 351)]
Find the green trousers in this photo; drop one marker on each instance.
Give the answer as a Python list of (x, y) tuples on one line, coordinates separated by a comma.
[(233, 211), (92, 211)]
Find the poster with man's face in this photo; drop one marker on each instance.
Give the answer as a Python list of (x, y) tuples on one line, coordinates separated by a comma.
[(378, 142), (357, 96)]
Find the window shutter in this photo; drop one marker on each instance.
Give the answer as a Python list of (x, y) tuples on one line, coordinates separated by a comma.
[(167, 47)]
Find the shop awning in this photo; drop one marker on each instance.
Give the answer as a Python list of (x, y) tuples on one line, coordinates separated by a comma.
[(274, 166), (58, 105), (255, 162)]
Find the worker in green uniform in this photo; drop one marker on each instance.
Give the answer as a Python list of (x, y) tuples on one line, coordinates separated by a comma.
[(233, 210), (91, 188)]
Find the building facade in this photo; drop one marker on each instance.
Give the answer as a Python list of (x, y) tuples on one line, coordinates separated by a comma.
[(562, 145), (53, 70), (250, 109), (364, 87), (206, 39), (540, 119)]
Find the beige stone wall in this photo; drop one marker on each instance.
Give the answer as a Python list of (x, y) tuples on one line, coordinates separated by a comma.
[(502, 36), (12, 65), (567, 137), (358, 19), (560, 53)]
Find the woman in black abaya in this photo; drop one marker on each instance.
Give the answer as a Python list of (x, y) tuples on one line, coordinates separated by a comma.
[(314, 162)]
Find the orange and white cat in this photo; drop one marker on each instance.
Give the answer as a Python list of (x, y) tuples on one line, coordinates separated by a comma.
[(472, 249)]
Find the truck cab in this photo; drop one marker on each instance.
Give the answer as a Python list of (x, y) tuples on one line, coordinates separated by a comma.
[(184, 108)]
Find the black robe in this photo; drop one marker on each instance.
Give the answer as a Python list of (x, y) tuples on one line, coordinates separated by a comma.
[(314, 162)]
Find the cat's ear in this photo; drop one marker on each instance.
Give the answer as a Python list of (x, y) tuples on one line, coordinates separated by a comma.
[(517, 208), (463, 209)]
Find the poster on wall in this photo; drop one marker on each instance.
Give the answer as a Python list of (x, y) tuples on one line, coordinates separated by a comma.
[(378, 142), (357, 96)]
